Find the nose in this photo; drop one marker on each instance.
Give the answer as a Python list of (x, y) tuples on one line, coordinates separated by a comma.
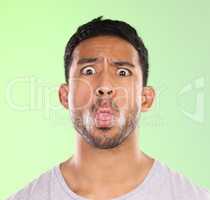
[(105, 87), (105, 92)]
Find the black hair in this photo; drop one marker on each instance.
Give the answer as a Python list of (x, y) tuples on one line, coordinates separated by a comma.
[(98, 27)]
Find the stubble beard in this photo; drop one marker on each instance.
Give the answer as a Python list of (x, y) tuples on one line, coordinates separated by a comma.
[(123, 126)]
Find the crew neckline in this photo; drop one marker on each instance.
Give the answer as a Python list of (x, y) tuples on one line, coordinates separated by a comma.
[(75, 196)]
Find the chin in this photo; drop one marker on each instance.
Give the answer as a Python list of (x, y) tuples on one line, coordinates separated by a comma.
[(105, 137), (105, 129)]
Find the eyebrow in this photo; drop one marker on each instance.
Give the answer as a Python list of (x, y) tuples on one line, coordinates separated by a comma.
[(91, 60), (86, 60), (121, 63)]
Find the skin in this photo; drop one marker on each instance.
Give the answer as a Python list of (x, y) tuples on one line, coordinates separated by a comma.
[(106, 163)]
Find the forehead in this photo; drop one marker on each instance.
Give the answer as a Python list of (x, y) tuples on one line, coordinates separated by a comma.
[(111, 47)]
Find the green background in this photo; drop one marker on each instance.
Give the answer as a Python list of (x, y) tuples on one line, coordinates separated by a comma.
[(36, 134)]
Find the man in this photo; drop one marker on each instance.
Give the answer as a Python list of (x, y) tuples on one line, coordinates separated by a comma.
[(106, 70)]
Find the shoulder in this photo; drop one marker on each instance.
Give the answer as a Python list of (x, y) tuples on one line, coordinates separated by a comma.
[(36, 189), (181, 187)]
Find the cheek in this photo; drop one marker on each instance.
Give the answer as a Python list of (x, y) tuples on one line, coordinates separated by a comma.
[(80, 95), (127, 96), (122, 97)]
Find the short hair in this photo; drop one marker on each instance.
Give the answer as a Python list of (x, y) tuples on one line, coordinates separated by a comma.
[(99, 27)]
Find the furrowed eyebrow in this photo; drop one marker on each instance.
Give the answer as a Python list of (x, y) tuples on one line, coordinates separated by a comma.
[(90, 60), (122, 63), (86, 60)]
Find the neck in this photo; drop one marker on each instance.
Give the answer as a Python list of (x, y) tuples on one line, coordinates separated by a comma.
[(113, 165), (91, 172)]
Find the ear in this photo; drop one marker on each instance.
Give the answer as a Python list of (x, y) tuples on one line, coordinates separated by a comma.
[(148, 96), (63, 95)]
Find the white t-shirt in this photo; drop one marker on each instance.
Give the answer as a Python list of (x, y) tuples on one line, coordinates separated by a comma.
[(161, 183)]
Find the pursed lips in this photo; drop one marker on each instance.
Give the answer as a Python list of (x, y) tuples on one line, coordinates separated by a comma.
[(104, 114), (105, 110)]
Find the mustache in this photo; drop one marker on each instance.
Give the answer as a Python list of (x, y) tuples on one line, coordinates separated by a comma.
[(109, 101)]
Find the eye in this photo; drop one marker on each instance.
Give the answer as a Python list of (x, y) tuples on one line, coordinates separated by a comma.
[(123, 72), (88, 70)]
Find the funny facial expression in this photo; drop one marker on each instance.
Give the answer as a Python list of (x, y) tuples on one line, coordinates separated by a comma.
[(105, 95)]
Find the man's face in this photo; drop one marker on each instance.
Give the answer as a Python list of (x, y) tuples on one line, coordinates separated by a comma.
[(105, 90)]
